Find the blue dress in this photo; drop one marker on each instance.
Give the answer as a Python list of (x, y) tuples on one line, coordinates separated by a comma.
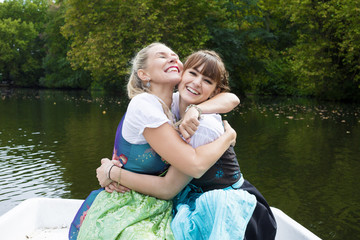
[(222, 206), (213, 206)]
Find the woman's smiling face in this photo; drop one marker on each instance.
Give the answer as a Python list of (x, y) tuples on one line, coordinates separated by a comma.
[(163, 65), (195, 87)]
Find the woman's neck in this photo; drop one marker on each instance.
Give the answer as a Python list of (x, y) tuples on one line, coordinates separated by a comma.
[(164, 93), (182, 107)]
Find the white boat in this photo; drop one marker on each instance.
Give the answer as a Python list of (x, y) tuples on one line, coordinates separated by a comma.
[(50, 218)]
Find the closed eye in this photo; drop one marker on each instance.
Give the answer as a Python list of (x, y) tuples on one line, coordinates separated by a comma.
[(209, 81), (161, 55), (193, 73)]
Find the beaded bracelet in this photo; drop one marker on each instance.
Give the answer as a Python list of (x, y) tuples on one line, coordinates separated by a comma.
[(196, 107)]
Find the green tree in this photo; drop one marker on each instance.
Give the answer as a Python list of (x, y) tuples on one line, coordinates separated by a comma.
[(239, 34), (105, 34), (277, 78), (22, 49), (325, 58), (58, 71), (15, 49)]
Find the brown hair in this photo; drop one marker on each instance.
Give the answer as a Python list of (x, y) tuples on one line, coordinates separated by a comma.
[(214, 67)]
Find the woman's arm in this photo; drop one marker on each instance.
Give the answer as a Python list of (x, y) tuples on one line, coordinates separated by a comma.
[(220, 103), (161, 187), (193, 162)]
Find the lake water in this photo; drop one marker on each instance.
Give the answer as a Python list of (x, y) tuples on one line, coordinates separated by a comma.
[(302, 154)]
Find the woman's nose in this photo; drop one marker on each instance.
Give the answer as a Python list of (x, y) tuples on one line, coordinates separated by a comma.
[(197, 81), (177, 61), (173, 59)]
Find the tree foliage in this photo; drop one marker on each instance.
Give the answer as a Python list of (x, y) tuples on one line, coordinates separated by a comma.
[(325, 56), (277, 77), (106, 34), (15, 49), (274, 47), (237, 35), (58, 71), (21, 23)]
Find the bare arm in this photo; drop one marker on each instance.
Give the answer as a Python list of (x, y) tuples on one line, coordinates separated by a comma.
[(220, 103), (193, 162), (161, 187)]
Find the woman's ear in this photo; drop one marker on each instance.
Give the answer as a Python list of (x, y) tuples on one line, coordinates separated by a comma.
[(143, 75)]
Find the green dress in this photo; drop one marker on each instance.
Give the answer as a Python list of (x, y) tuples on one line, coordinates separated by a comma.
[(128, 215)]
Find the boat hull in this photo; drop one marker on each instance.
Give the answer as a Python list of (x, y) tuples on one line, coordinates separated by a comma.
[(50, 218)]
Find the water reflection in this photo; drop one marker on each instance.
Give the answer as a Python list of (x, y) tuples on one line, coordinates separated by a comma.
[(51, 142), (305, 159), (302, 154), (27, 170)]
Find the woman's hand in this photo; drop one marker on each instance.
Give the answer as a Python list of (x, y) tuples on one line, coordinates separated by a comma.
[(113, 186), (189, 123), (102, 172), (232, 133)]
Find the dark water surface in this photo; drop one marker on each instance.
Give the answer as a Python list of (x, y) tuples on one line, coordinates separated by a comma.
[(303, 155)]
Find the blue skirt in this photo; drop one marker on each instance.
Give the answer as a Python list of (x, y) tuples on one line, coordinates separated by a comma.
[(237, 212)]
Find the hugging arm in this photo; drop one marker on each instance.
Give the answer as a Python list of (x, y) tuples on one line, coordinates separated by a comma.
[(186, 162), (191, 161), (160, 187), (220, 103)]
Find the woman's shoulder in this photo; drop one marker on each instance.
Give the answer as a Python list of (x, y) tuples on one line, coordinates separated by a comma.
[(144, 111), (210, 129), (144, 102), (211, 120), (145, 98), (211, 123)]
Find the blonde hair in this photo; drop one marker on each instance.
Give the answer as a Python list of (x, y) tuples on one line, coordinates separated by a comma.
[(135, 85), (214, 67)]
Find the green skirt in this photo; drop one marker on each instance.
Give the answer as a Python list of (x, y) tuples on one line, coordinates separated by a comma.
[(128, 215)]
